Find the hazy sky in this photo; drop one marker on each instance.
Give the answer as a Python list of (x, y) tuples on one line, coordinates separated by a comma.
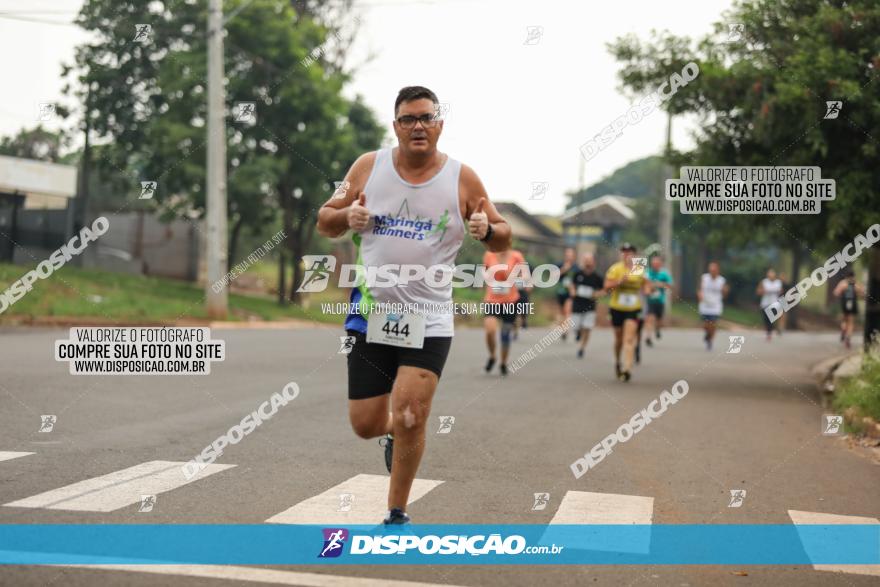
[(517, 112)]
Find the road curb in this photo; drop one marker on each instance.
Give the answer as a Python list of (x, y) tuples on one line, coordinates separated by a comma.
[(868, 425), (830, 374)]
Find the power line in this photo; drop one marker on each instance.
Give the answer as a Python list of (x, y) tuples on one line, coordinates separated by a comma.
[(37, 20), (38, 11)]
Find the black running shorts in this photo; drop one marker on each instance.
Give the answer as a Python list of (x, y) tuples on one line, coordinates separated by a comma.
[(498, 310), (372, 367), (656, 308), (618, 317)]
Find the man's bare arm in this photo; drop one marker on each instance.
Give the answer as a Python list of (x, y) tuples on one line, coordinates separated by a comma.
[(333, 215), (474, 192)]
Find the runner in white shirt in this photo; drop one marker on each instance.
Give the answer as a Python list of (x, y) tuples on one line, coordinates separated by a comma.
[(770, 290), (410, 204), (713, 288)]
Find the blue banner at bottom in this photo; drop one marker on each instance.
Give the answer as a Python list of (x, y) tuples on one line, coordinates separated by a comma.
[(712, 544)]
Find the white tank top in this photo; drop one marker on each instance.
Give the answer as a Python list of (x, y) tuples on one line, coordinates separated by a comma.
[(772, 291), (413, 224), (713, 295)]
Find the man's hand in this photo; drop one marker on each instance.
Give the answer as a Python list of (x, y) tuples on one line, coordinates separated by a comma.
[(478, 223), (358, 216)]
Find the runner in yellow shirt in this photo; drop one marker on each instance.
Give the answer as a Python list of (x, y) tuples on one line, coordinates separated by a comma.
[(626, 280)]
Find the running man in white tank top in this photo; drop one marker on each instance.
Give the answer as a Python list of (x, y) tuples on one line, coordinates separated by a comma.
[(711, 292), (770, 290), (408, 205)]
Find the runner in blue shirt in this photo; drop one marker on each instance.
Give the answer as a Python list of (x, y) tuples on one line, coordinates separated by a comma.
[(661, 281)]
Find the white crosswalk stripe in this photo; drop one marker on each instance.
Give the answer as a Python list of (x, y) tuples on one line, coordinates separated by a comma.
[(361, 499), (586, 507), (258, 575), (6, 455), (800, 517), (118, 489), (368, 502)]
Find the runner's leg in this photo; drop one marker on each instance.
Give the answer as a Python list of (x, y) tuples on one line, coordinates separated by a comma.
[(638, 353), (490, 325), (650, 328), (618, 344), (371, 371), (629, 332), (710, 332), (585, 337), (506, 329), (581, 326), (560, 313), (370, 417), (410, 406), (566, 315)]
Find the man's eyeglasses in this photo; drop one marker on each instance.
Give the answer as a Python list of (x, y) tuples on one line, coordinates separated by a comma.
[(408, 121)]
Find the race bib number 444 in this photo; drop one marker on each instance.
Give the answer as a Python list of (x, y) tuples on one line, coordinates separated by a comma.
[(403, 330)]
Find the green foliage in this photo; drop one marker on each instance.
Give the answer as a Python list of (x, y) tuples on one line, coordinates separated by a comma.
[(761, 100), (862, 393), (636, 179), (146, 105), (118, 297), (36, 143)]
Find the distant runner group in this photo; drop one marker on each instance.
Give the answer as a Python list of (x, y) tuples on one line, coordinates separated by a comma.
[(412, 204), (637, 299)]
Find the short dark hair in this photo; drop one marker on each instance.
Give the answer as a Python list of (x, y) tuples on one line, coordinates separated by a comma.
[(410, 93)]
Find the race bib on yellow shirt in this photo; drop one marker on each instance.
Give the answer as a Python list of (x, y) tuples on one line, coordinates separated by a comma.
[(628, 299)]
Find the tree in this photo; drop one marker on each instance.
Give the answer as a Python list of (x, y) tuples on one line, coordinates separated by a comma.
[(148, 98), (636, 179), (36, 143), (761, 100)]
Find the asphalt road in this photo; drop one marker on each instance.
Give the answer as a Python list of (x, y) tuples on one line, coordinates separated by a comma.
[(750, 420)]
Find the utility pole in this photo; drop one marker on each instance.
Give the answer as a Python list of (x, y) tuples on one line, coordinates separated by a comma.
[(665, 228), (580, 173), (215, 198), (872, 307)]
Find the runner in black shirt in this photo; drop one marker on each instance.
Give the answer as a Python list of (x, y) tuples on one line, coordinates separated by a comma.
[(563, 294), (586, 287), (849, 291)]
